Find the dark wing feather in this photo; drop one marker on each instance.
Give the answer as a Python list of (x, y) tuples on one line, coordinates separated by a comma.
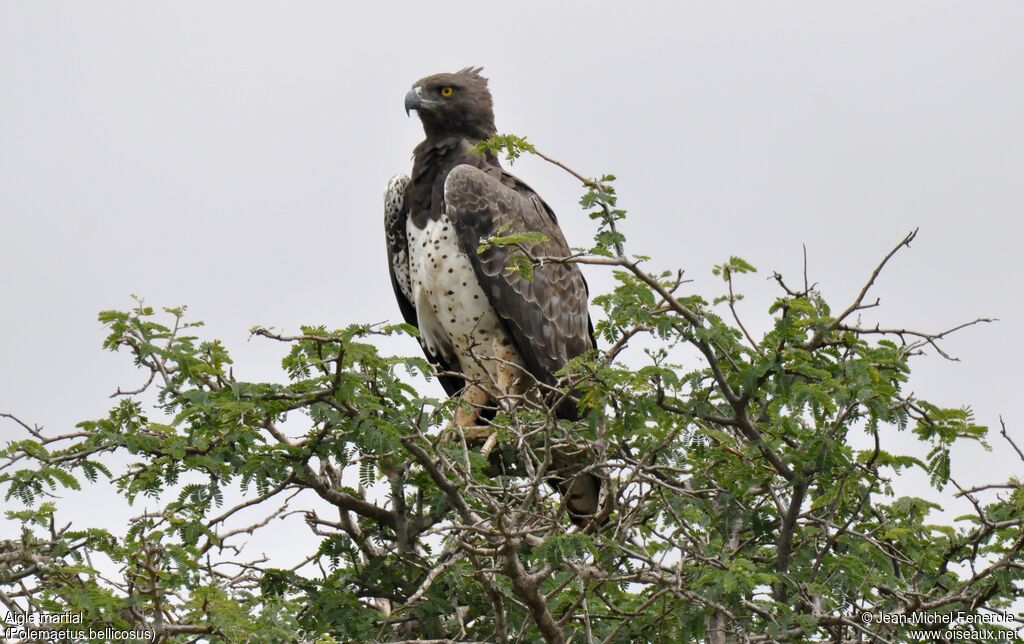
[(547, 315), (395, 216)]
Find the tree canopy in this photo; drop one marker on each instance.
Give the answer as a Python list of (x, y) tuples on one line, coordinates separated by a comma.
[(752, 482)]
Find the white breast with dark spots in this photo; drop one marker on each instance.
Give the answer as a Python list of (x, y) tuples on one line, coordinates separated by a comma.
[(455, 318)]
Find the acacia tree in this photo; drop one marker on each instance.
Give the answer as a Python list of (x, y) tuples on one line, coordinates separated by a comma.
[(737, 507)]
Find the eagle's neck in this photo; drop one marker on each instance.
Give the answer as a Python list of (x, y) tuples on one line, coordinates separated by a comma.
[(472, 128), (433, 159)]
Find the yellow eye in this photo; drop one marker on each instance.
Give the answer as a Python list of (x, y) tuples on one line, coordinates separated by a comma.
[(447, 91)]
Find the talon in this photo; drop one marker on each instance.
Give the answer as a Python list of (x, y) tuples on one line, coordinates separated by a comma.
[(478, 433), (472, 433)]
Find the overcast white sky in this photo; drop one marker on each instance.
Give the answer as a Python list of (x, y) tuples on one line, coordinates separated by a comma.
[(232, 155)]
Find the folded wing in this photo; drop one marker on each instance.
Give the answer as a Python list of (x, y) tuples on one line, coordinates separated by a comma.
[(546, 315)]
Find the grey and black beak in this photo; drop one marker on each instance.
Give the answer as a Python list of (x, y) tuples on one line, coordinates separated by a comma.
[(414, 99)]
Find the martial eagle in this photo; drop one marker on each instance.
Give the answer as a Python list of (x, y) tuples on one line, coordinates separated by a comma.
[(503, 331)]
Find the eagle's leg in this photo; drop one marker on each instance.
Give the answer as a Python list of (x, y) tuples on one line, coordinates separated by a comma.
[(507, 380), (467, 416), (504, 384), (508, 384), (466, 419)]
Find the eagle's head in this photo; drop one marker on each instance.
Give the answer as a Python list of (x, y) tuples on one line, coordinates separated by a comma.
[(453, 104)]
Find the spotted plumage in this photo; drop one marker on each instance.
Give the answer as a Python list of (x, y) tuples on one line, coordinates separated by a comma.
[(500, 331), (456, 320)]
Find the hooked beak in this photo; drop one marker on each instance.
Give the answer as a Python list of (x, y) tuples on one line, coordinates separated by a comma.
[(414, 99)]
